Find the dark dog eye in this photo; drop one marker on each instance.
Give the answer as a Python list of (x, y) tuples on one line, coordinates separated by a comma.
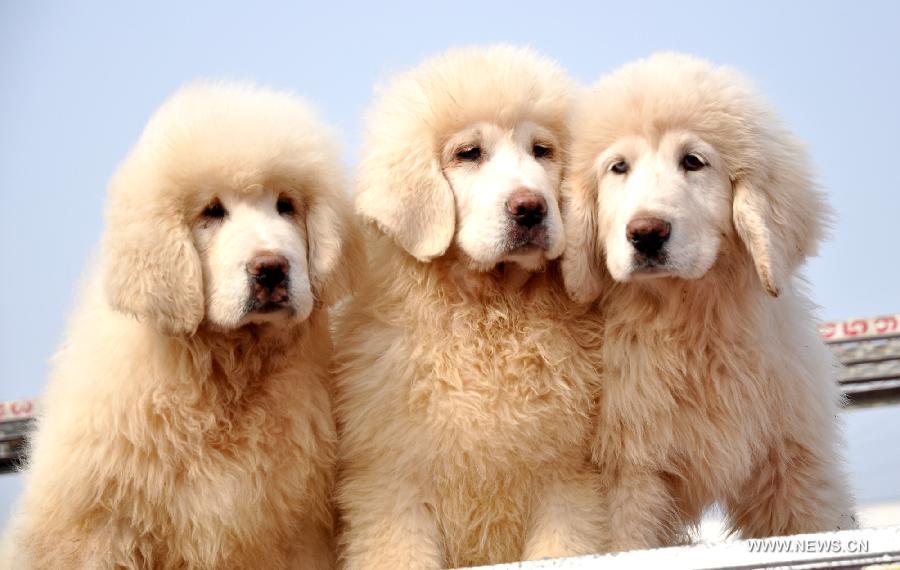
[(692, 162), (469, 154), (542, 151), (619, 167), (285, 206), (214, 210)]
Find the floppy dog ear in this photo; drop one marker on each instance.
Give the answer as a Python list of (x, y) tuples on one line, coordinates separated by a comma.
[(582, 260), (780, 222), (335, 248), (403, 190), (755, 225), (152, 270)]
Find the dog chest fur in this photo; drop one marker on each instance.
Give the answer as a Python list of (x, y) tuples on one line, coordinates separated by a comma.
[(474, 401), (681, 403), (186, 466)]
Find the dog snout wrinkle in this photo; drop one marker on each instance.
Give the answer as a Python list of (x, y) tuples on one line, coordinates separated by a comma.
[(648, 235), (527, 208)]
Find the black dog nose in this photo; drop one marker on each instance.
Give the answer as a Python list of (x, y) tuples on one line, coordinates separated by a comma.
[(526, 208), (269, 271), (648, 235)]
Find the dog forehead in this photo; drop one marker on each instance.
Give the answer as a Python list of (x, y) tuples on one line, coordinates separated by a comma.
[(671, 93), (193, 190), (521, 133), (444, 94), (212, 137), (661, 149)]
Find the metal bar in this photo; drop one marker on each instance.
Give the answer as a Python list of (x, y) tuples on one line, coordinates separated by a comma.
[(862, 353), (869, 377)]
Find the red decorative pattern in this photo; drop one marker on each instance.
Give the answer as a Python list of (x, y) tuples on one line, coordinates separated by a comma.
[(834, 331), (16, 410)]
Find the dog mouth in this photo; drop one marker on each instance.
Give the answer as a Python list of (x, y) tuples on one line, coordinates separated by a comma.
[(645, 266), (522, 240), (270, 307), (273, 312), (266, 300)]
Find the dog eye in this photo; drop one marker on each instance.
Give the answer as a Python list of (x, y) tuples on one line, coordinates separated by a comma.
[(214, 210), (542, 151), (692, 162), (619, 167), (285, 206), (471, 153)]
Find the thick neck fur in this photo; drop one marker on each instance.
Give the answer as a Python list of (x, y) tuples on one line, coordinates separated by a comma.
[(233, 365), (719, 299), (454, 280), (214, 387)]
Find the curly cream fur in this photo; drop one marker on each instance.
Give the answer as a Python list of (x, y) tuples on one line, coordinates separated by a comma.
[(716, 389), (464, 397), (164, 441)]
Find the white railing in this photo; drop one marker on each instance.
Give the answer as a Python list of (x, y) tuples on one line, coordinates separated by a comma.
[(852, 549)]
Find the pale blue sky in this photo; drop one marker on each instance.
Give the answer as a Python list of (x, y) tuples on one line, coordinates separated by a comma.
[(79, 79)]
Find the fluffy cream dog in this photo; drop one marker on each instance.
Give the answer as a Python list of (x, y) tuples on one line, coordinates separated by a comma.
[(188, 420), (716, 386), (464, 393)]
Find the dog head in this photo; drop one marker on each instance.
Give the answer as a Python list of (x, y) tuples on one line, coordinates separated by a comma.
[(468, 148), (672, 159), (228, 211)]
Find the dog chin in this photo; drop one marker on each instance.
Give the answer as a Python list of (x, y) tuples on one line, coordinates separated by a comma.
[(485, 265), (530, 258), (651, 274), (276, 314), (644, 271), (639, 271), (269, 314), (532, 254)]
